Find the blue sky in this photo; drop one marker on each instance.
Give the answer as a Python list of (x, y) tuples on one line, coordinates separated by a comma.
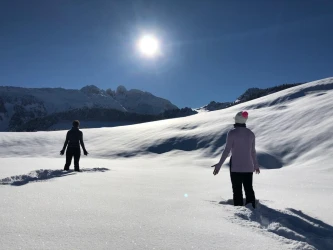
[(211, 50)]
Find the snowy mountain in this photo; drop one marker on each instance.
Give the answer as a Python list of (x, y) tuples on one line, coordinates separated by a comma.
[(89, 118), (21, 105), (248, 95), (95, 117), (212, 106), (23, 109), (254, 93), (150, 185)]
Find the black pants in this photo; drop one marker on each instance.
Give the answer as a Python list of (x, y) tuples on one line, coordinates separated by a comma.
[(70, 152), (239, 180)]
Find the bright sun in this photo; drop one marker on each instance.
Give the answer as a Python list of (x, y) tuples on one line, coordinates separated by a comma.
[(148, 45)]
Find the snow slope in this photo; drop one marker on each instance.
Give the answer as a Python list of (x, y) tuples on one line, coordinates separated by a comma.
[(150, 186)]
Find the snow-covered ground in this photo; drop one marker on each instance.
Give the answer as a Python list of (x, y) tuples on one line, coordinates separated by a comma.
[(150, 186)]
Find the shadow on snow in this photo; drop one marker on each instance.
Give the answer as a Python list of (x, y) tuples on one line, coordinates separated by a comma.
[(211, 143), (43, 175), (291, 224), (212, 146)]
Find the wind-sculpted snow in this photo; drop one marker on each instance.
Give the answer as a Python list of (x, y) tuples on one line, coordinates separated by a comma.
[(303, 231), (296, 129), (317, 88)]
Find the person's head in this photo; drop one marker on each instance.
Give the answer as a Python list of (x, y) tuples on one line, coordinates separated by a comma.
[(76, 124), (241, 117)]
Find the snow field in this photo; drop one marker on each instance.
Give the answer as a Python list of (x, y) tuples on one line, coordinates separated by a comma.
[(150, 186)]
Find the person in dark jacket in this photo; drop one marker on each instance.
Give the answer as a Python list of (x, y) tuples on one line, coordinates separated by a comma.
[(74, 139)]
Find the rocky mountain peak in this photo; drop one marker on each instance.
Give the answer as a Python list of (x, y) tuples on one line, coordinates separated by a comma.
[(121, 90), (90, 89)]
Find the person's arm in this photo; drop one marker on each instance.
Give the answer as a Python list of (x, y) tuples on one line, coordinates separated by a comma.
[(65, 144), (254, 156), (82, 144), (225, 154)]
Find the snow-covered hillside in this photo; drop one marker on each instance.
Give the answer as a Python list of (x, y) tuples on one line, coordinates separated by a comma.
[(150, 186), (19, 105), (248, 95)]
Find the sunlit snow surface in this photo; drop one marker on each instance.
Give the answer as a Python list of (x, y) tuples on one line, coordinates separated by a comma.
[(150, 186)]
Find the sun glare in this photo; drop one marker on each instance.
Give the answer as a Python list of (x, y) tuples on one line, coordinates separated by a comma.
[(148, 46)]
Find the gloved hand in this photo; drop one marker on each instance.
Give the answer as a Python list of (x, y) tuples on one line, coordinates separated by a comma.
[(85, 152), (62, 152), (217, 168)]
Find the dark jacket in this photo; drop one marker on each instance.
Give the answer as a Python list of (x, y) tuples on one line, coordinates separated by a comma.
[(74, 138)]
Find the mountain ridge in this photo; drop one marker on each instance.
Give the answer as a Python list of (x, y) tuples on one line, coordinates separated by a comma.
[(248, 95), (20, 105), (126, 107)]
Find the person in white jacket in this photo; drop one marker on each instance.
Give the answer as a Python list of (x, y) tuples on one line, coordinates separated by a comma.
[(241, 143)]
